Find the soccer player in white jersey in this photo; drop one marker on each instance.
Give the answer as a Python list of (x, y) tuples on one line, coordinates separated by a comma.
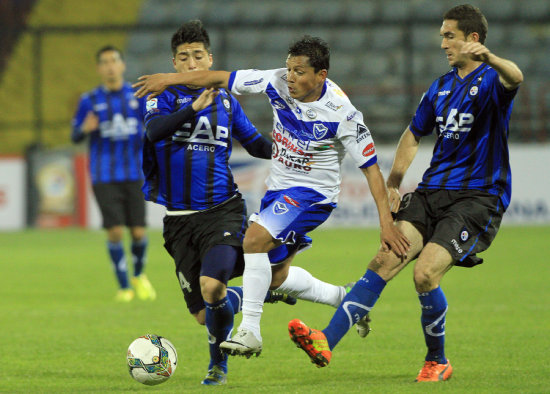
[(314, 125)]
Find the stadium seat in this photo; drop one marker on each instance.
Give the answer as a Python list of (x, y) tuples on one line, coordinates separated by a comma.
[(386, 37), (348, 39), (395, 11)]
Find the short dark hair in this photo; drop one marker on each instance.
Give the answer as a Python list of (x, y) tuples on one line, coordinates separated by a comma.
[(189, 32), (315, 48), (108, 48), (470, 20)]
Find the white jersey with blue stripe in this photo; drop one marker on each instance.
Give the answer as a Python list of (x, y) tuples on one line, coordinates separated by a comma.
[(309, 139)]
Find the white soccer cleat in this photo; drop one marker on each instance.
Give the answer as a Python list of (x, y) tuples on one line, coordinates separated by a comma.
[(363, 327), (243, 343)]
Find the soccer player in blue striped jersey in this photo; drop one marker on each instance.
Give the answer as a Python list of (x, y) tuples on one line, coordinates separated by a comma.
[(457, 208), (189, 141), (111, 118)]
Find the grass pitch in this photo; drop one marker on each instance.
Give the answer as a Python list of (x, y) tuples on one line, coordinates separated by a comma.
[(64, 333)]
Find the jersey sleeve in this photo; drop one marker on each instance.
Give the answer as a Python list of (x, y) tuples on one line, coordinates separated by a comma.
[(163, 104), (500, 95), (423, 121), (84, 106), (357, 140), (243, 129), (250, 81)]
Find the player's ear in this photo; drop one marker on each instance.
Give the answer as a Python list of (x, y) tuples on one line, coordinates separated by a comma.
[(174, 63), (473, 37), (322, 74), (210, 60)]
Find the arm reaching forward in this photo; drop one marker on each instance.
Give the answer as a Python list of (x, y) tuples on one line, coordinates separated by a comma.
[(153, 85), (390, 237)]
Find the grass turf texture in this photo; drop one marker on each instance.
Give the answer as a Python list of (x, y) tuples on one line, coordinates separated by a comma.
[(64, 333)]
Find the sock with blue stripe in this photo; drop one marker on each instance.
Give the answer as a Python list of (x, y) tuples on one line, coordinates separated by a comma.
[(434, 309), (235, 295), (138, 253), (219, 323), (116, 252), (356, 304)]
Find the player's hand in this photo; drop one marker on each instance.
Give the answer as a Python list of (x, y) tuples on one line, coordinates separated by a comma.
[(392, 239), (205, 99), (394, 198), (90, 123), (151, 85), (475, 50)]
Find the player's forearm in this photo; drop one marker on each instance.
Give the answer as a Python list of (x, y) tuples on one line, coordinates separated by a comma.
[(509, 73), (163, 126), (404, 155), (379, 193), (216, 79), (77, 135)]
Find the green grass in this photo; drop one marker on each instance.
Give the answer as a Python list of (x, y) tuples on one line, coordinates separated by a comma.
[(63, 333)]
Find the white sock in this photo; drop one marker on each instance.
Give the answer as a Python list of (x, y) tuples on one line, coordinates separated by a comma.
[(256, 281), (301, 284)]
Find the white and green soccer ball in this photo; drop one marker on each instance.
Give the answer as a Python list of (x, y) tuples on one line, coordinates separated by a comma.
[(151, 359)]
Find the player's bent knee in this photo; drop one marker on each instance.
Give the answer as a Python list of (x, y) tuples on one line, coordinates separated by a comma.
[(212, 290), (424, 280)]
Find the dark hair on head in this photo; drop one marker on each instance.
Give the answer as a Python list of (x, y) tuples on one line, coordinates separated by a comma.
[(315, 48), (108, 48), (189, 32), (470, 20)]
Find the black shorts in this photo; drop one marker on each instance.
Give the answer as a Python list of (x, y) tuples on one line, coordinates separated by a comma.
[(120, 203), (188, 237), (464, 222)]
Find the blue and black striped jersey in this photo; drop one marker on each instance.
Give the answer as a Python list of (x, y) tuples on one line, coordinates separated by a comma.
[(189, 170), (115, 149), (471, 117)]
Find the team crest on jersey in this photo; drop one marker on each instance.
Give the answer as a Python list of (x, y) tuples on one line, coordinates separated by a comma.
[(134, 104), (291, 201), (226, 103), (369, 150), (152, 104), (464, 235), (473, 90), (311, 114), (279, 208), (319, 130)]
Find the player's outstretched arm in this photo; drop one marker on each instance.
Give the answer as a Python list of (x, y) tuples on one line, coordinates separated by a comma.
[(404, 155), (390, 237), (508, 72), (153, 85)]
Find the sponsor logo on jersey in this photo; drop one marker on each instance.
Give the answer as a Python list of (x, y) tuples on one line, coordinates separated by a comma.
[(351, 116), (319, 130), (202, 136), (473, 90), (152, 104), (362, 132), (455, 124), (443, 93), (456, 246), (183, 100), (291, 201), (289, 100), (311, 114), (333, 106), (253, 82), (290, 152), (279, 208), (278, 104), (100, 107), (464, 235), (118, 128), (369, 150)]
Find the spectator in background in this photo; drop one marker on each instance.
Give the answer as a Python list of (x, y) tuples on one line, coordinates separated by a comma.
[(112, 120)]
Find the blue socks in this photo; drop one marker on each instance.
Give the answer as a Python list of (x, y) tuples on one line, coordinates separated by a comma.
[(434, 309), (235, 296), (116, 251), (219, 323), (138, 253), (357, 303)]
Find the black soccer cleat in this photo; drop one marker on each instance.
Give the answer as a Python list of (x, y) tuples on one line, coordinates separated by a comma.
[(273, 297)]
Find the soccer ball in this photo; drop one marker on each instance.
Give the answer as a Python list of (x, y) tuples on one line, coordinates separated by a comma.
[(151, 359)]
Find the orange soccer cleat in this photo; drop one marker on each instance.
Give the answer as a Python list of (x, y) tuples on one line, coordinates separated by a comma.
[(313, 342), (434, 372)]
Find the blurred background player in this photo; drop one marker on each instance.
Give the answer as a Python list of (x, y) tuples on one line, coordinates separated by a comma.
[(457, 208), (112, 119), (314, 124)]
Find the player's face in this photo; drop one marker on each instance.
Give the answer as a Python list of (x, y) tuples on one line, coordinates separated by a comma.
[(452, 41), (304, 84), (111, 67), (192, 57)]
